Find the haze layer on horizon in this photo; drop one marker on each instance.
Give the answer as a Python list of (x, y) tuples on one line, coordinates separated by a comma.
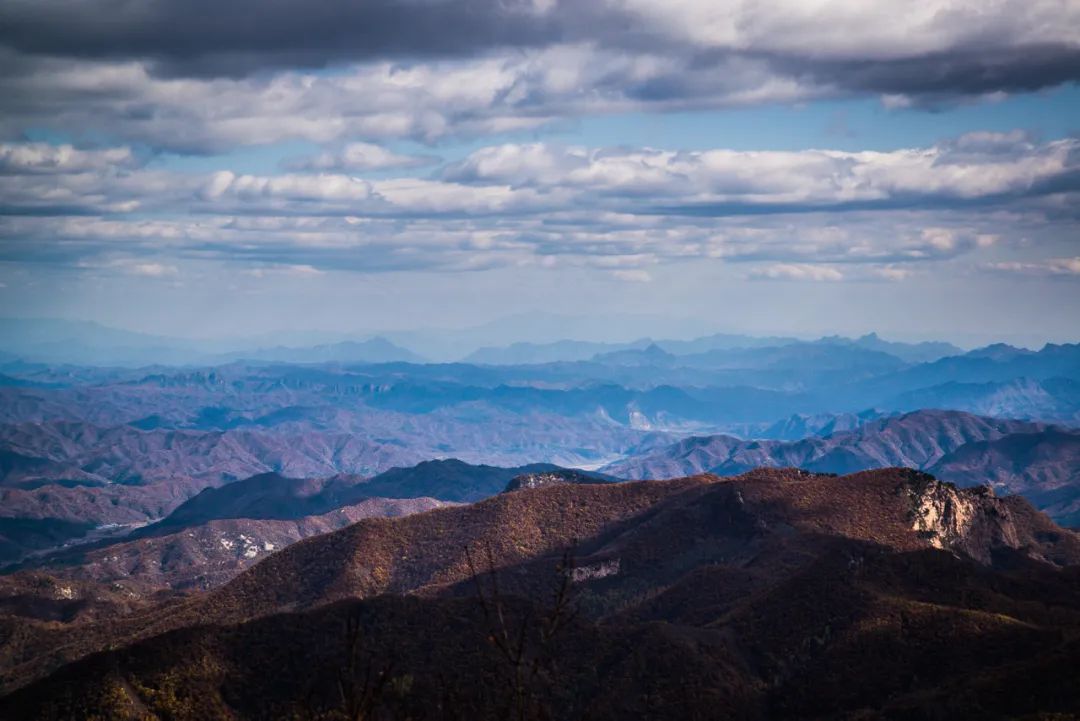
[(208, 169)]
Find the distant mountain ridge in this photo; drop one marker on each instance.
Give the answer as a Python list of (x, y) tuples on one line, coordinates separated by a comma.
[(272, 496), (913, 440), (578, 350), (524, 353), (1038, 461), (67, 341), (372, 350), (922, 352), (1044, 466), (200, 555), (269, 508)]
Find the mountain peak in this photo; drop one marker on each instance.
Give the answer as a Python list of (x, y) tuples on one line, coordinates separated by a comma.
[(549, 478)]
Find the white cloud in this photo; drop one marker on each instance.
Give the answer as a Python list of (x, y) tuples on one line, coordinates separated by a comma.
[(44, 158), (375, 101), (796, 271), (133, 266), (297, 271), (321, 187), (152, 270), (850, 29), (358, 157), (613, 209), (1053, 267), (892, 273), (762, 178)]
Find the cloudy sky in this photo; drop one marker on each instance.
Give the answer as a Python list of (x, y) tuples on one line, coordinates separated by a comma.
[(208, 168)]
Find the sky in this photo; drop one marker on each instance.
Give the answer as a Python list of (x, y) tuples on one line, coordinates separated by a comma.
[(241, 167)]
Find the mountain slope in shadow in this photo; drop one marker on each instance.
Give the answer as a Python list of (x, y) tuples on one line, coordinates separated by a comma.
[(776, 594)]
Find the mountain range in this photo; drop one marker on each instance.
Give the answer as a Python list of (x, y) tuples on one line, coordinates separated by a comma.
[(212, 536), (61, 481), (172, 535), (83, 342), (776, 594), (1038, 461)]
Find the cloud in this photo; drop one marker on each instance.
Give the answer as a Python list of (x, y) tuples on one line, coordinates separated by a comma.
[(345, 195), (45, 179), (1054, 267), (296, 271), (376, 101), (981, 170), (200, 77), (133, 266), (204, 37), (358, 157), (727, 182), (46, 159), (892, 273), (617, 210), (792, 271), (323, 187), (933, 48), (152, 270)]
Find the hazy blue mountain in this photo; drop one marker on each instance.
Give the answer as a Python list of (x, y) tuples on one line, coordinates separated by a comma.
[(801, 425), (923, 352), (83, 342), (1002, 365), (65, 341), (530, 353), (999, 352), (723, 341), (1032, 459), (21, 333), (798, 365), (1052, 399), (651, 356), (573, 350), (373, 350)]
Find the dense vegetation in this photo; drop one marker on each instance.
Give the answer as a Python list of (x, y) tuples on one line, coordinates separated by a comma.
[(779, 594)]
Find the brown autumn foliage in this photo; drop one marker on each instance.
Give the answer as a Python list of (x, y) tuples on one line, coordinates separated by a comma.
[(777, 594)]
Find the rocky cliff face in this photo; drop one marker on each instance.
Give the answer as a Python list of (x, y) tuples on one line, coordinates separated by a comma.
[(778, 594), (549, 478), (972, 521)]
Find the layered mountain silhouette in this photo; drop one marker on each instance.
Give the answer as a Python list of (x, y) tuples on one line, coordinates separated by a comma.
[(214, 535), (1041, 462), (265, 534), (775, 594), (273, 496), (201, 555), (84, 477)]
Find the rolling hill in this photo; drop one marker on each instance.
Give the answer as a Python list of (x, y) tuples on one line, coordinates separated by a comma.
[(776, 594), (1038, 461)]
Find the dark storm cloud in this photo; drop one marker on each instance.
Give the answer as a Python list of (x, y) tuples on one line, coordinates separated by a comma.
[(233, 37), (946, 50), (945, 75)]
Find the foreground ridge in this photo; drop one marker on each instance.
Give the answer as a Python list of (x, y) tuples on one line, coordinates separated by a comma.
[(776, 594)]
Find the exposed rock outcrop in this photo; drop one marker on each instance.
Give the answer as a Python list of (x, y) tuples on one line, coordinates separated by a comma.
[(550, 478), (973, 521)]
